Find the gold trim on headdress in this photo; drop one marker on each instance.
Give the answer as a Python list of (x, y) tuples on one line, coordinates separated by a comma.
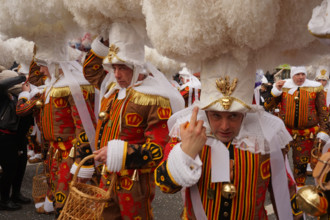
[(226, 88), (323, 72), (230, 100), (319, 35), (113, 51)]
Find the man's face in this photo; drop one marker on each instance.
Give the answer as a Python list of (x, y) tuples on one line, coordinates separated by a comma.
[(225, 125), (123, 74), (44, 71), (322, 81), (299, 79)]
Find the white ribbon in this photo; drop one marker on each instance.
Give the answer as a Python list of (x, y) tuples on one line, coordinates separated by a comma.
[(257, 95), (279, 181), (278, 175), (122, 93), (96, 103), (220, 171), (197, 203), (49, 83), (190, 91), (68, 68)]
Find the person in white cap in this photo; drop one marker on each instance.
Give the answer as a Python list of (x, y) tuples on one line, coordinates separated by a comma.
[(226, 152), (322, 76), (259, 88), (305, 114), (132, 128)]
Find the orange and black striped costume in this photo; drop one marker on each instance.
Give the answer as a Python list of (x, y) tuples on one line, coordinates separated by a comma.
[(304, 113), (141, 121), (251, 177)]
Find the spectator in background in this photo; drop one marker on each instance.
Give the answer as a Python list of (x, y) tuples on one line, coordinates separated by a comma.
[(13, 151)]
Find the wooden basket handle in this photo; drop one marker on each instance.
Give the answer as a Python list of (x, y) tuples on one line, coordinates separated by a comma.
[(37, 170), (321, 169)]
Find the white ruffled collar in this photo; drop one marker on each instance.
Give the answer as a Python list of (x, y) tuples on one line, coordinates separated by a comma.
[(293, 87), (308, 83)]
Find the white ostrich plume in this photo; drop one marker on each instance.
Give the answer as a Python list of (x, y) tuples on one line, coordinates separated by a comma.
[(88, 17), (21, 49), (165, 65), (96, 16), (46, 22), (6, 58), (264, 32)]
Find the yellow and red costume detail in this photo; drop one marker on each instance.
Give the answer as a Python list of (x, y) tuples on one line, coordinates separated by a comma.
[(304, 113), (36, 78), (185, 94), (250, 171), (141, 121), (25, 107), (62, 128), (33, 143)]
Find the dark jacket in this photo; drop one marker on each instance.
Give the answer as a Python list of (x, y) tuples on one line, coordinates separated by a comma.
[(5, 98)]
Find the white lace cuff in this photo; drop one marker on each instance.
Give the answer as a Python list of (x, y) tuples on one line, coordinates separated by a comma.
[(99, 48), (275, 92), (323, 136), (183, 169), (24, 95), (116, 155), (35, 91), (83, 172)]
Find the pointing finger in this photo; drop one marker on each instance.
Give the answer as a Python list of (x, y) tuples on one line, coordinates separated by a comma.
[(193, 118)]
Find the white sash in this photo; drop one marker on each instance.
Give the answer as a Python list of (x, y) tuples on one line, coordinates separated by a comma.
[(79, 99)]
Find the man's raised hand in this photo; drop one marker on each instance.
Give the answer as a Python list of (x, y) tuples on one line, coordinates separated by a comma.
[(193, 135)]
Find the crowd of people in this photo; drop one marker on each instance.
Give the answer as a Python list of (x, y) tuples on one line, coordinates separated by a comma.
[(178, 140), (220, 135)]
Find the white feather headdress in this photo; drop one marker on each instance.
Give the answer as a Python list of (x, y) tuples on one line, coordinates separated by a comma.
[(165, 65)]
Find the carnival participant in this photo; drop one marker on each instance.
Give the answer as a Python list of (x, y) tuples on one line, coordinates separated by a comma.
[(305, 115), (29, 101), (190, 88), (260, 88), (223, 152), (132, 127), (62, 124), (34, 151), (322, 76)]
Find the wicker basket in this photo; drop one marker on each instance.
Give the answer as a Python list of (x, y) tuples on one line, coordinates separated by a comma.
[(39, 186), (85, 201)]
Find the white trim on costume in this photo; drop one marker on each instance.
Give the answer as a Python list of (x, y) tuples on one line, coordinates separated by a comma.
[(185, 170), (323, 136), (24, 94), (99, 48), (115, 155), (83, 172)]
